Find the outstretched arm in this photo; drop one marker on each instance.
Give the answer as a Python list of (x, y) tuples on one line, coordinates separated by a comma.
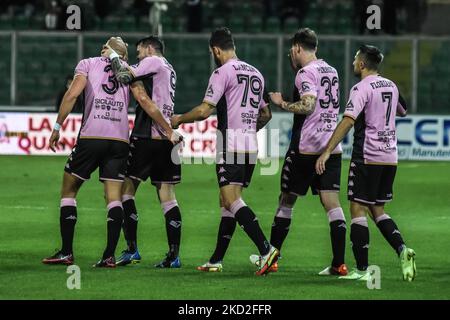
[(67, 103), (149, 106), (200, 112), (338, 135), (305, 105)]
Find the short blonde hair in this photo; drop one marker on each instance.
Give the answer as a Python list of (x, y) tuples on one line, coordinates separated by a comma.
[(119, 46)]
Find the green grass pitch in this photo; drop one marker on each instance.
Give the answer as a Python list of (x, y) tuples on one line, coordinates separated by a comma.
[(29, 231)]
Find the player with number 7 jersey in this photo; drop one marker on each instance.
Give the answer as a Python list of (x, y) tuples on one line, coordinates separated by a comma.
[(373, 104)]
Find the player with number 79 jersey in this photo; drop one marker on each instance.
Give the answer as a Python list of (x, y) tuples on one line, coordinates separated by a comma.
[(236, 91)]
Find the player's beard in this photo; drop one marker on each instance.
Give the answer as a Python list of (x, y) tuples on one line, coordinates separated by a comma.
[(357, 73), (217, 61)]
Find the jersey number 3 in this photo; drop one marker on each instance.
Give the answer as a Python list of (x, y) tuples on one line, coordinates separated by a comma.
[(113, 85)]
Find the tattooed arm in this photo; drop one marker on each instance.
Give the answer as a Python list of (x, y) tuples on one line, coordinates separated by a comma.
[(305, 105), (123, 74)]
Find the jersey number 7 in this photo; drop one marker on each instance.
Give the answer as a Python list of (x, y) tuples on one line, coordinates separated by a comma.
[(387, 96)]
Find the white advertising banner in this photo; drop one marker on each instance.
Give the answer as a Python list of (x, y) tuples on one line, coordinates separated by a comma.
[(419, 137), (29, 133)]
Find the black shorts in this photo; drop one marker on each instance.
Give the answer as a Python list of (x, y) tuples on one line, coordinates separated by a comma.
[(235, 169), (110, 156), (370, 184), (299, 174), (153, 158)]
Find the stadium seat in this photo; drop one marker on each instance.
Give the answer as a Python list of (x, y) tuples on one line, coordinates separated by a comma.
[(21, 23), (53, 68), (111, 24), (291, 25), (5, 97), (272, 25), (180, 24), (237, 24), (6, 23), (37, 22), (254, 24), (218, 22), (167, 23), (127, 24)]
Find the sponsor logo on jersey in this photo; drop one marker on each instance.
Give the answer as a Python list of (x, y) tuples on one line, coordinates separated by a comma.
[(210, 91)]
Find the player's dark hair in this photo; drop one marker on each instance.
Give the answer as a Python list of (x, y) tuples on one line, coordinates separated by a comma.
[(306, 38), (371, 56), (222, 39), (153, 41)]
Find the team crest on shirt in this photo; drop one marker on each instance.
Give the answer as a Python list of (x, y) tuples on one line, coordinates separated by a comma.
[(305, 87), (349, 106), (210, 91)]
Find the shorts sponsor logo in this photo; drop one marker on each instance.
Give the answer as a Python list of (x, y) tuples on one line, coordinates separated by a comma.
[(175, 224)]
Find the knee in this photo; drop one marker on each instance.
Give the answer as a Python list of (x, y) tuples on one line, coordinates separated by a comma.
[(287, 200), (330, 205), (357, 210), (233, 205)]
